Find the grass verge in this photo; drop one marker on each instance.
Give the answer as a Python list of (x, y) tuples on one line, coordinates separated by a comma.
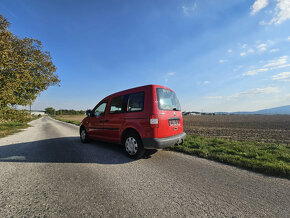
[(270, 159), (68, 121), (11, 128)]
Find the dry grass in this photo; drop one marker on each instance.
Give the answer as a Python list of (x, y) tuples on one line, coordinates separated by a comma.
[(77, 118)]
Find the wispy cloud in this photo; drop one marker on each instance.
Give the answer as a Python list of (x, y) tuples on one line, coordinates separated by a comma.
[(274, 50), (277, 63), (284, 77), (206, 82), (262, 47), (168, 75), (189, 10), (255, 72), (255, 92), (258, 5), (248, 93), (238, 67), (230, 50), (222, 61), (244, 46), (214, 97), (249, 51), (288, 38), (282, 11)]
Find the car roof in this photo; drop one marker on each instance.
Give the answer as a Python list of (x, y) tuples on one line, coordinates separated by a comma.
[(135, 89)]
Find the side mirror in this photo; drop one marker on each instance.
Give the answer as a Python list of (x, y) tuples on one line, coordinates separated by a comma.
[(89, 113)]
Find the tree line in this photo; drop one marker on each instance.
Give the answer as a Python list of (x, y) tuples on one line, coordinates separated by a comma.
[(52, 111)]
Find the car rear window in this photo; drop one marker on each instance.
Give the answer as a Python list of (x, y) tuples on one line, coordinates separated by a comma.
[(135, 102), (167, 100)]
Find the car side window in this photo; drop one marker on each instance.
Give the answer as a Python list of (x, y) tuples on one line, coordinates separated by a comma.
[(117, 105), (100, 110), (135, 102)]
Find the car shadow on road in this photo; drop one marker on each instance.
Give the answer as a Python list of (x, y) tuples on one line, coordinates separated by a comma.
[(66, 150)]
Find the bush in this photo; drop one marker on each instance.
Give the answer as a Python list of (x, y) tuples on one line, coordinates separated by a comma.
[(8, 114)]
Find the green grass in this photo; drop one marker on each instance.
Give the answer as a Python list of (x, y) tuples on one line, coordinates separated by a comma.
[(11, 128), (68, 121), (270, 159)]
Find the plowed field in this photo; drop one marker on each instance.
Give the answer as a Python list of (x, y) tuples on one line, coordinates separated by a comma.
[(259, 128)]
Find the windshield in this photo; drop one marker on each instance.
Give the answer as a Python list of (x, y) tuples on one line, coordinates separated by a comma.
[(167, 100)]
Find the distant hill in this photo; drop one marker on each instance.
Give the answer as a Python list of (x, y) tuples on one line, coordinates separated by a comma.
[(276, 110)]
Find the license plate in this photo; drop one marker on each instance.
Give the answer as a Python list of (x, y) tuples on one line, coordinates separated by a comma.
[(173, 122)]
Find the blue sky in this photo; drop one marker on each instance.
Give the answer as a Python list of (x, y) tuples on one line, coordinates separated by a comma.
[(216, 55)]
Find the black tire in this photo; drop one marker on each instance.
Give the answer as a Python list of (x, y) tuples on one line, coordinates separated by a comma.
[(134, 146), (84, 136)]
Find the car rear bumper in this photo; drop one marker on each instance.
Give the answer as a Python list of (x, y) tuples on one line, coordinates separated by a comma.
[(155, 143)]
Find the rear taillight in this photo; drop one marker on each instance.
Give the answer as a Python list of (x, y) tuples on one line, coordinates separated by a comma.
[(154, 122)]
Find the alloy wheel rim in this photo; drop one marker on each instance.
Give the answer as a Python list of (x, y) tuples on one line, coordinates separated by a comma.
[(131, 146)]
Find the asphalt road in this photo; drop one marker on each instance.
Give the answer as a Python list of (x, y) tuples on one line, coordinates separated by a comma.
[(46, 171)]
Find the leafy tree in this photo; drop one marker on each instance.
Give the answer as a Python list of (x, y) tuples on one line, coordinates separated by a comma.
[(50, 110), (25, 69)]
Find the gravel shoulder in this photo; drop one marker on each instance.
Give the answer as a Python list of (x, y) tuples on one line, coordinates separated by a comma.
[(46, 171)]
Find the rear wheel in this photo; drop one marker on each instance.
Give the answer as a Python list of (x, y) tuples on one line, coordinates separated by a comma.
[(134, 146), (84, 136)]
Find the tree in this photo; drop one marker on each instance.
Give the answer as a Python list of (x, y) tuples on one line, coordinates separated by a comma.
[(49, 110), (25, 69)]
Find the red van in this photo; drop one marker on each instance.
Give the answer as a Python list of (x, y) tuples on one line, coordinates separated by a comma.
[(146, 117)]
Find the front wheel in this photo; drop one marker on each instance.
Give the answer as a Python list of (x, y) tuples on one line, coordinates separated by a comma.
[(134, 146), (84, 136)]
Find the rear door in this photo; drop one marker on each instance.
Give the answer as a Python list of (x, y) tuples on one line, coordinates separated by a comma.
[(169, 116)]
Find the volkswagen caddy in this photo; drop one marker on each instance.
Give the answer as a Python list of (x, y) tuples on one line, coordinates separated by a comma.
[(146, 117)]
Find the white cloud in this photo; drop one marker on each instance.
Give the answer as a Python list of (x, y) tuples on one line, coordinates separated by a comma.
[(285, 77), (282, 12), (259, 5), (206, 82), (230, 50), (244, 46), (189, 9), (222, 61), (262, 47), (171, 74), (274, 50), (277, 63), (288, 38), (248, 93), (238, 67), (254, 92), (255, 72), (244, 53), (214, 97), (250, 50)]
